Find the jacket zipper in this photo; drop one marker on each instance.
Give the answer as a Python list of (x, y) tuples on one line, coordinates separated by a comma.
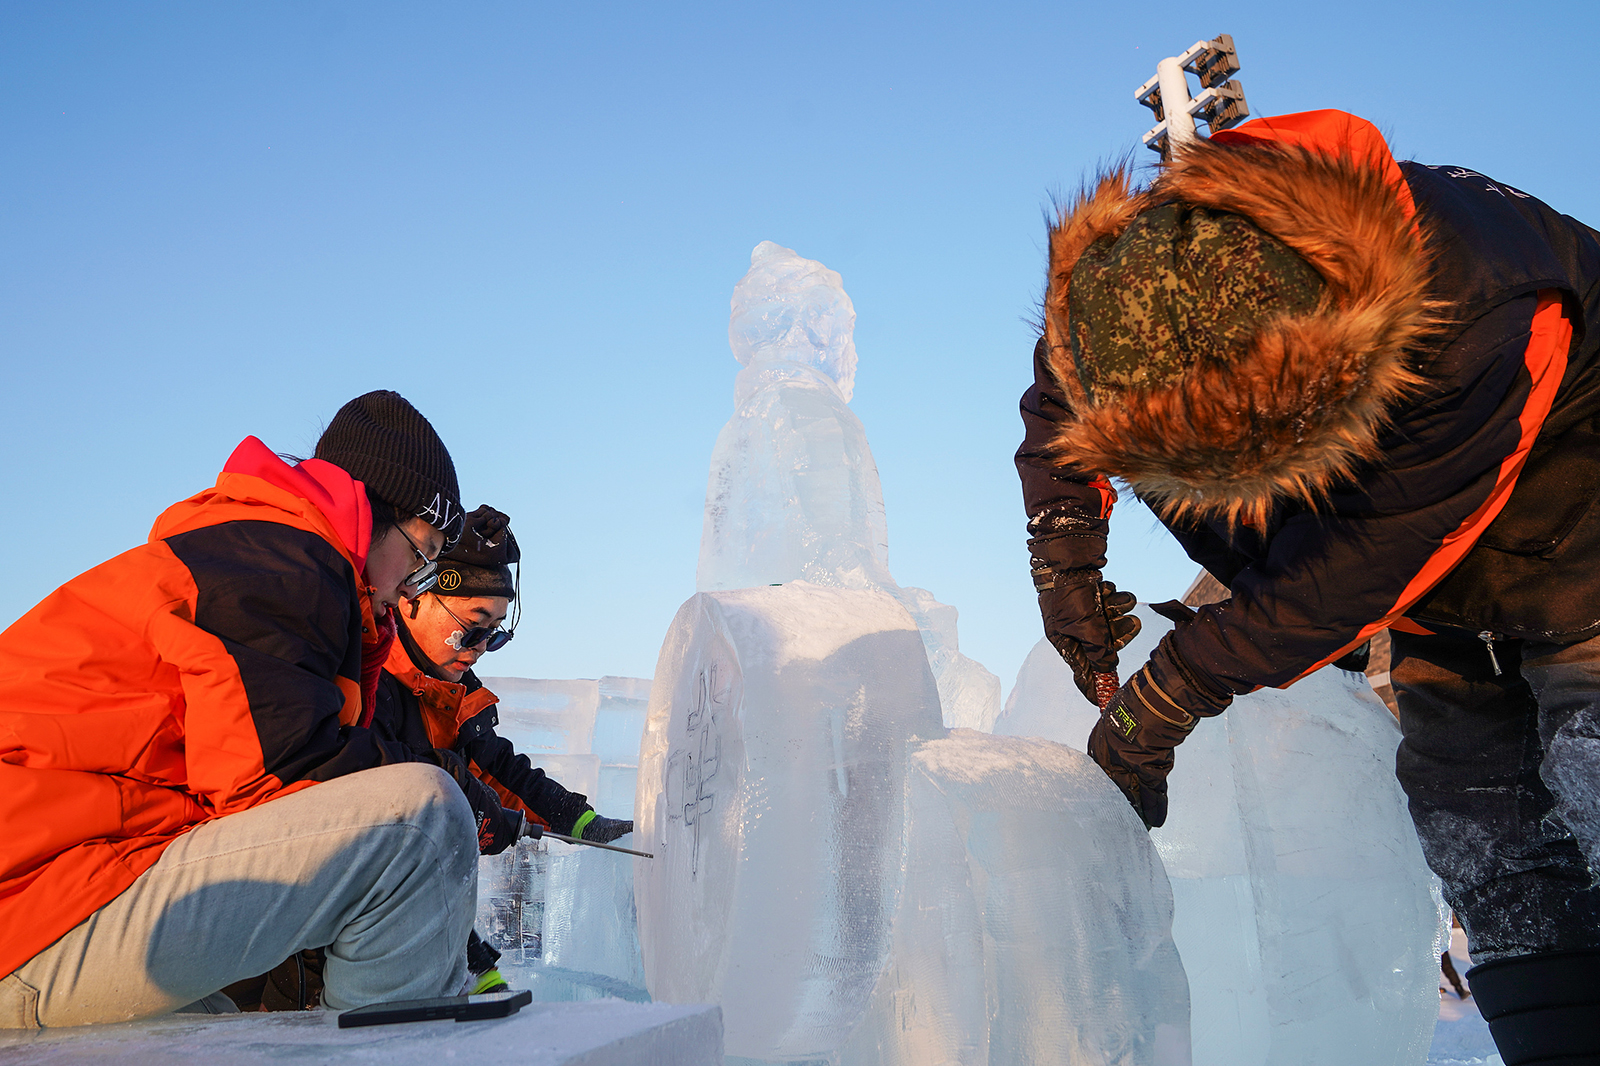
[(1488, 642)]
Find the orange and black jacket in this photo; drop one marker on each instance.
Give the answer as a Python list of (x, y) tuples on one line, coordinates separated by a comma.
[(422, 712), (1478, 513), (207, 671)]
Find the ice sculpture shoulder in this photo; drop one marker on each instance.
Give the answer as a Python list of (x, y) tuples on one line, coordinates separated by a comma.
[(793, 491)]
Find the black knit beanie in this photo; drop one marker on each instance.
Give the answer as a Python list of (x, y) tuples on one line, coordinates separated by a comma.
[(382, 440), (480, 564)]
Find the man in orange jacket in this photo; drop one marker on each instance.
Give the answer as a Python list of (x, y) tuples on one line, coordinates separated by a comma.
[(165, 716)]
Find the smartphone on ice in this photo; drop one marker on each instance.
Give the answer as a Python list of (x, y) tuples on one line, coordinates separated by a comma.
[(461, 1008)]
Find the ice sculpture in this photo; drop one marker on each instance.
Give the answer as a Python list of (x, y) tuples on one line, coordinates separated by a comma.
[(793, 492), (772, 794), (1303, 909), (968, 693), (1046, 703), (1035, 924), (563, 914)]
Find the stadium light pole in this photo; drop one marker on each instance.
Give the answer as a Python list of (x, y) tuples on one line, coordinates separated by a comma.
[(1220, 104)]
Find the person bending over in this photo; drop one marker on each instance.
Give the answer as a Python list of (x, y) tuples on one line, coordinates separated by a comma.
[(1363, 393)]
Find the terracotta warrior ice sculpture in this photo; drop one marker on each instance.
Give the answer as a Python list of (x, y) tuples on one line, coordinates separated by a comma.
[(793, 493)]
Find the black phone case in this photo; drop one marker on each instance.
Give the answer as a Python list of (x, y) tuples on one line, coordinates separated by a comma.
[(461, 1008)]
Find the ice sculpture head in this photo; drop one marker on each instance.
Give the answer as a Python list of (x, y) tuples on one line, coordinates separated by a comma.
[(790, 309)]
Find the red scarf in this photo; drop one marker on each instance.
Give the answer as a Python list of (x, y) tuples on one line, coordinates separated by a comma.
[(375, 648)]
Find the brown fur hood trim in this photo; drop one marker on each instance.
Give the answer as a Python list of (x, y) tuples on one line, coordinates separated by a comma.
[(1304, 406)]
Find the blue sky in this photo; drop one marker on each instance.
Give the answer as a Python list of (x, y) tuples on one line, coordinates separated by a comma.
[(227, 219)]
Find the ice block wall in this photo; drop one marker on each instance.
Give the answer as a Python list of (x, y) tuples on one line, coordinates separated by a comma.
[(793, 493), (1045, 702), (772, 793), (1036, 921), (618, 728), (1303, 909), (565, 914)]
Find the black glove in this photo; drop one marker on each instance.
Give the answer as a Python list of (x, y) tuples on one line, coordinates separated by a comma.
[(1085, 618), (1149, 717), (1087, 621), (498, 828), (591, 826)]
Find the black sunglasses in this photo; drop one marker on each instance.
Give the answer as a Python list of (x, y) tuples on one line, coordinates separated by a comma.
[(471, 636)]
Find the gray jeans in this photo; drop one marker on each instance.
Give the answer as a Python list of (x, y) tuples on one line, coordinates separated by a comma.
[(379, 867), (1503, 774)]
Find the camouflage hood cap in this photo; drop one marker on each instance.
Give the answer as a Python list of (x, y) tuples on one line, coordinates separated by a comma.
[(1241, 349), (1181, 284)]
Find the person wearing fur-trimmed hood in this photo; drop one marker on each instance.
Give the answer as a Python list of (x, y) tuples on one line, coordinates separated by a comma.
[(1363, 394)]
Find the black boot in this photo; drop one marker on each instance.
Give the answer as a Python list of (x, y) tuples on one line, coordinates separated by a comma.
[(1542, 1008)]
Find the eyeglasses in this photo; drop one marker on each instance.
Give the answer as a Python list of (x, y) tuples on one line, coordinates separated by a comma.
[(425, 576), (471, 636)]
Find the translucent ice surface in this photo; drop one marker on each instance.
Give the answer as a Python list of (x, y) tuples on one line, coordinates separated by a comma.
[(773, 794), (618, 728), (792, 310), (546, 716), (1046, 703), (793, 493), (968, 693), (1035, 924), (1302, 904), (589, 925)]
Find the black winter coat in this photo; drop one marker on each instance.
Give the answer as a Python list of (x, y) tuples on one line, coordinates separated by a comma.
[(491, 758), (1398, 544)]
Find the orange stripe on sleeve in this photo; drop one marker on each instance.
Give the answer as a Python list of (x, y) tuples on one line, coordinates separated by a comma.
[(1108, 494), (1546, 360)]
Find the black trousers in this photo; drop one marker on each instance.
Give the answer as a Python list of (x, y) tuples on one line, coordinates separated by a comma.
[(1503, 776)]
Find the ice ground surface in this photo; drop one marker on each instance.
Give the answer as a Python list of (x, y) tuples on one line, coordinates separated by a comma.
[(541, 1034)]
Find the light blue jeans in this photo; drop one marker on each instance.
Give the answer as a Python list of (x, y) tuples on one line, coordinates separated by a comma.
[(379, 867)]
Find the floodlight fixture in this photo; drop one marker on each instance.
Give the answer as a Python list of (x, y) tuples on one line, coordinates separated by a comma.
[(1220, 103), (1217, 63)]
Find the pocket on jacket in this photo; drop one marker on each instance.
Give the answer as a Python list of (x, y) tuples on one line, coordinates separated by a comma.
[(1555, 491), (19, 1004)]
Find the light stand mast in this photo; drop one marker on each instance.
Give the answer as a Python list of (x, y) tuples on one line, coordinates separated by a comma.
[(1220, 104)]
